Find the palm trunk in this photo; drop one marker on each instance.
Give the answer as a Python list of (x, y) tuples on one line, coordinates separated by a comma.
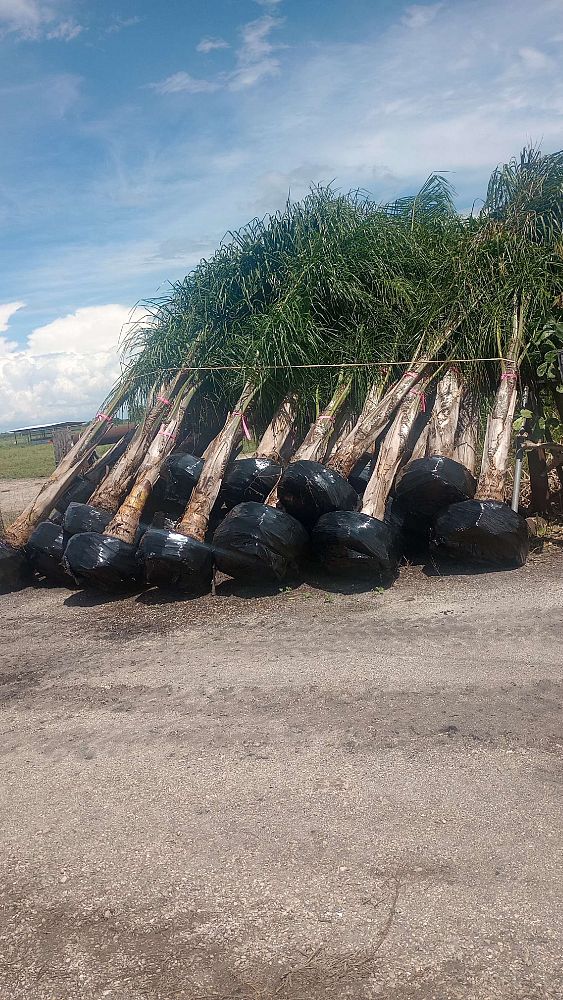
[(445, 414), (314, 446), (196, 516), (128, 518), (276, 441), (391, 452), (66, 472), (420, 449), (467, 432), (102, 466), (498, 438), (113, 488), (375, 417)]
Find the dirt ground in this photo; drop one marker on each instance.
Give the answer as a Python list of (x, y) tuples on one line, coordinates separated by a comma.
[(306, 794), (15, 494)]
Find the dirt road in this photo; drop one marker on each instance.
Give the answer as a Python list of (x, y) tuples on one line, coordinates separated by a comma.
[(302, 795)]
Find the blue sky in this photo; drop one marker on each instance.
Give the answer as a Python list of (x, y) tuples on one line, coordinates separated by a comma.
[(135, 134)]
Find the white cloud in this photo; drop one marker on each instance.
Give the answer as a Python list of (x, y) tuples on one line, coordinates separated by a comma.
[(534, 60), (65, 369), (255, 59), (211, 44), (65, 31), (7, 310), (418, 15), (34, 19), (184, 83), (120, 23)]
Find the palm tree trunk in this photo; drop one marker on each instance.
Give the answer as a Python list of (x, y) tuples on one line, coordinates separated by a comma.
[(445, 414), (390, 454), (313, 447), (498, 438), (374, 418), (113, 488), (66, 472), (467, 431), (196, 516), (276, 441), (128, 518)]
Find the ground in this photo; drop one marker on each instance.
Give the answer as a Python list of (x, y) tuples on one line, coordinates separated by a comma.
[(23, 459), (306, 794)]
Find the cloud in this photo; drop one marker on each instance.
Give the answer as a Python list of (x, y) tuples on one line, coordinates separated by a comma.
[(36, 19), (254, 62), (7, 310), (210, 44), (184, 83), (121, 23), (534, 60), (66, 31), (418, 15), (65, 369), (255, 59)]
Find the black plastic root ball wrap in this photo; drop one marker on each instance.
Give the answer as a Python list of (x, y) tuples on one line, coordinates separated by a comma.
[(45, 551), (15, 572), (353, 544), (427, 485), (482, 531), (249, 479), (80, 492), (259, 543), (169, 559), (100, 561), (82, 517), (182, 473), (308, 490)]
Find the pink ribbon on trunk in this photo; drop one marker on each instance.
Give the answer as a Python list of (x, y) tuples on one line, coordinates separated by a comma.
[(244, 425)]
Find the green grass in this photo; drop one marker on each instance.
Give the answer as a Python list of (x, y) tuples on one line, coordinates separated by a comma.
[(25, 461)]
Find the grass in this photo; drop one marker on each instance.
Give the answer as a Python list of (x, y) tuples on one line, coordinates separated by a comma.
[(25, 461)]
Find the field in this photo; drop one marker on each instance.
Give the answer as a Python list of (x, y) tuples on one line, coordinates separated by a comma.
[(298, 794), (25, 461)]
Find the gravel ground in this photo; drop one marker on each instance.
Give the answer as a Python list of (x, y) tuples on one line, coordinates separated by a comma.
[(306, 794)]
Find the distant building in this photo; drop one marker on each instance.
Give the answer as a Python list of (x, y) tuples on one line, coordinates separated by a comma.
[(43, 432)]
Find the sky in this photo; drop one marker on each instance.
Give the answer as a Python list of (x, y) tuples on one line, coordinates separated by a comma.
[(136, 133)]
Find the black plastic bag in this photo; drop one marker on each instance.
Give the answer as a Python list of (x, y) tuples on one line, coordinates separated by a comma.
[(45, 550), (482, 531), (353, 544), (249, 479), (427, 485), (169, 559), (308, 490), (100, 561), (182, 474), (79, 492), (82, 517), (255, 542), (15, 572)]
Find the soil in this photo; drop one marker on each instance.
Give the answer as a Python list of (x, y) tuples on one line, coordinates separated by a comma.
[(15, 495), (301, 794)]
